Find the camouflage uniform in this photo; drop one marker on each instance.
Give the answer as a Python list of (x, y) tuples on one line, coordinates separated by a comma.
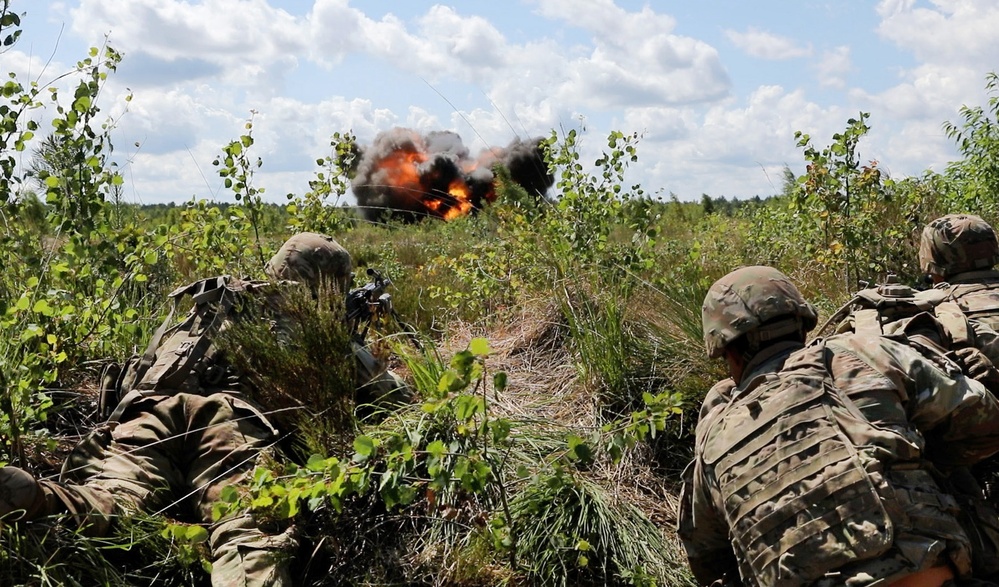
[(180, 435), (296, 260), (830, 486), (960, 251)]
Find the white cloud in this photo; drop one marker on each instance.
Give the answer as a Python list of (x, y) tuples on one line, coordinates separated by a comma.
[(607, 20), (733, 148), (253, 45), (951, 31), (833, 67), (635, 60), (249, 31), (197, 75), (471, 41), (764, 45)]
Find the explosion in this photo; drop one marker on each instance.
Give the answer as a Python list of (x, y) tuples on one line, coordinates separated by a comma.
[(413, 176)]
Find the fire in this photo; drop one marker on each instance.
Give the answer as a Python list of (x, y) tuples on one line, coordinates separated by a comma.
[(401, 169), (414, 176), (462, 204)]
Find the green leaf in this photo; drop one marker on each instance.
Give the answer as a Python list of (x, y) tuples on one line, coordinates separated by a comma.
[(466, 407), (499, 381), (316, 463), (451, 382), (436, 449), (196, 534), (364, 446), (42, 307), (229, 494), (479, 347)]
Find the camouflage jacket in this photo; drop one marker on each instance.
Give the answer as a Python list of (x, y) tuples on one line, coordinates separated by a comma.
[(976, 293), (904, 401)]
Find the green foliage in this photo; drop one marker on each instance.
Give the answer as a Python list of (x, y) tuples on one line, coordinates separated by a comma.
[(294, 353), (318, 209), (142, 551), (846, 197), (236, 170), (462, 487), (575, 532), (976, 175)]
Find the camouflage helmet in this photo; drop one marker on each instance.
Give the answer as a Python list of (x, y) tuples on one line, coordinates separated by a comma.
[(957, 243), (749, 301), (310, 257)]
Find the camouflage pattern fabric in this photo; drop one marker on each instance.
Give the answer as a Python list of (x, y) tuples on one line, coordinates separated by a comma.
[(976, 293), (747, 298), (897, 407), (310, 257), (951, 320), (378, 385), (957, 243), (175, 454)]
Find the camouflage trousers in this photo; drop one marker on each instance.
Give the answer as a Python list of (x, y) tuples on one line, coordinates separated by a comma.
[(175, 454)]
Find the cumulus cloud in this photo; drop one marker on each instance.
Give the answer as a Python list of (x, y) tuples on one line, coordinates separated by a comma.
[(763, 45), (961, 31), (635, 60), (954, 45), (251, 45), (594, 63), (833, 67)]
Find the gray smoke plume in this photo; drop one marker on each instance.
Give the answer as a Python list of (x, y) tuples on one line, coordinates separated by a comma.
[(412, 176)]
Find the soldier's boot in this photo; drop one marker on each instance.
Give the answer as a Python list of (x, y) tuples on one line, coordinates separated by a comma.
[(21, 496)]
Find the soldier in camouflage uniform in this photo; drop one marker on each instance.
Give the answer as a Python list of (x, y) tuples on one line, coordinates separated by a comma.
[(811, 462), (959, 253), (294, 261), (178, 437)]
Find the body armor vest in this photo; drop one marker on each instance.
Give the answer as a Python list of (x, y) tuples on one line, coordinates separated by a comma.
[(797, 494)]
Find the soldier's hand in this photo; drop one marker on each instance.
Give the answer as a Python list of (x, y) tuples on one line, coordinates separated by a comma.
[(976, 365)]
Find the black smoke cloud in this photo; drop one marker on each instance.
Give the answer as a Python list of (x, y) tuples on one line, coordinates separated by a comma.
[(412, 176)]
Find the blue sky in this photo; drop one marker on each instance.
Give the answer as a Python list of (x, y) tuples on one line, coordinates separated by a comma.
[(716, 88)]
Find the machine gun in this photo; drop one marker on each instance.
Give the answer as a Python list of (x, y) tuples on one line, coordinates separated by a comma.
[(367, 303), (371, 302)]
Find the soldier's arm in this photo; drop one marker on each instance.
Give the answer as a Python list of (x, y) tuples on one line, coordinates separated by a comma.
[(987, 341), (704, 532), (957, 415)]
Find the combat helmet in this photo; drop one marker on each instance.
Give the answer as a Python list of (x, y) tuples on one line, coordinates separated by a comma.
[(957, 243), (752, 301), (311, 257)]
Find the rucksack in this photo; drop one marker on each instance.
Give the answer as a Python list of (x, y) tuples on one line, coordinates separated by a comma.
[(180, 357), (928, 318)]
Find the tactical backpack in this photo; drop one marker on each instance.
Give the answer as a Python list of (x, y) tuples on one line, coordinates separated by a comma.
[(979, 301), (180, 357), (797, 495), (928, 318)]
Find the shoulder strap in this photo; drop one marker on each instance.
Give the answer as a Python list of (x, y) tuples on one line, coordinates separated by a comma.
[(202, 292)]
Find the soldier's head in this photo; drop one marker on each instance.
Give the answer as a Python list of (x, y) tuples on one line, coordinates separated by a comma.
[(957, 243), (750, 309), (312, 258)]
